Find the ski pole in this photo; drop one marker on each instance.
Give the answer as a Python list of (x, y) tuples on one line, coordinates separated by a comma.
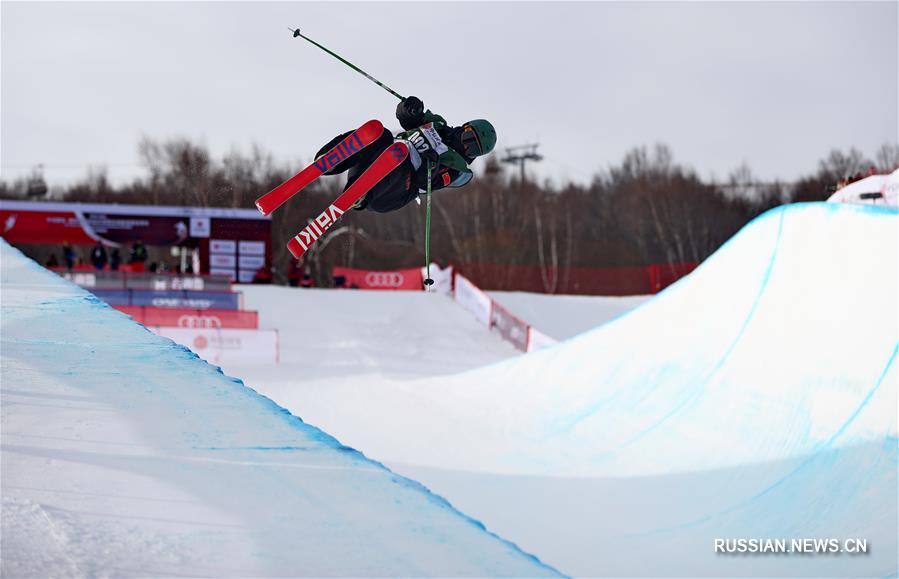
[(428, 280), (296, 32)]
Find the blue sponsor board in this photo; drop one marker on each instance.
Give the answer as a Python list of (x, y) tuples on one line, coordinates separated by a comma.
[(114, 297), (171, 299)]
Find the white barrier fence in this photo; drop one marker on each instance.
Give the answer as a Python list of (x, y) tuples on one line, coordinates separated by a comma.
[(228, 345), (470, 297), (537, 340)]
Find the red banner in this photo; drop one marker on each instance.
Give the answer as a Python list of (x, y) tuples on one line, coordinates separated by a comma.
[(187, 318), (663, 275), (396, 279), (611, 281), (43, 227), (231, 242), (87, 223)]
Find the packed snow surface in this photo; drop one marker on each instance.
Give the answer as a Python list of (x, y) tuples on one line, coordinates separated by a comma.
[(754, 399), (123, 454), (563, 316)]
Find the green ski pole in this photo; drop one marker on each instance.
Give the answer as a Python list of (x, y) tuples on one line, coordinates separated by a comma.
[(428, 280), (296, 32)]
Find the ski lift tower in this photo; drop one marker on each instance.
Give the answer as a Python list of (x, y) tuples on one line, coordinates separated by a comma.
[(520, 155)]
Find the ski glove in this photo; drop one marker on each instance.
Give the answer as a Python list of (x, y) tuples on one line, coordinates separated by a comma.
[(410, 112), (430, 156)]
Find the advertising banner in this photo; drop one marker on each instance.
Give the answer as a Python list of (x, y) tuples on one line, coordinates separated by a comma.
[(162, 282), (187, 318), (222, 261), (239, 260), (227, 346), (146, 281), (171, 299), (113, 224), (49, 226), (221, 236), (397, 279), (472, 299), (103, 280), (610, 281)]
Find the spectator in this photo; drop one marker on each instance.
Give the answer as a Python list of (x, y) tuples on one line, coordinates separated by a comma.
[(307, 280), (263, 275), (68, 256), (293, 273), (115, 258), (52, 261), (138, 256), (99, 257)]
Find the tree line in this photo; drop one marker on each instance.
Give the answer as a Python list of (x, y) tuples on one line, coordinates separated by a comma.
[(645, 209)]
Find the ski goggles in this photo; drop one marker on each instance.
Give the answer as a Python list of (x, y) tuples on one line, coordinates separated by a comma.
[(470, 143)]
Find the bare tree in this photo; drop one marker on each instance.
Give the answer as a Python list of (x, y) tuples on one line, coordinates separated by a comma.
[(888, 157), (549, 269), (839, 165)]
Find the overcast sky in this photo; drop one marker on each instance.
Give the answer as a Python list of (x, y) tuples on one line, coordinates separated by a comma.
[(774, 85)]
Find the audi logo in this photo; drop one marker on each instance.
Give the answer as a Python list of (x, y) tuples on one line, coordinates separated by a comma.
[(199, 322), (384, 279)]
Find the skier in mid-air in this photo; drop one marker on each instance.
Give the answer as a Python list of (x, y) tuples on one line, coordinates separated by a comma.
[(386, 172), (449, 150)]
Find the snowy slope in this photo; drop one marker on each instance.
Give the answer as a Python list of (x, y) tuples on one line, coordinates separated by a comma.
[(754, 399), (562, 316), (125, 455), (332, 340)]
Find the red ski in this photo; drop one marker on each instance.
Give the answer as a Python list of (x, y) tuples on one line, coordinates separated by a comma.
[(353, 143), (384, 164)]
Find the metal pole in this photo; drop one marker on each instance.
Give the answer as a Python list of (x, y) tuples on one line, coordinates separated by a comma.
[(296, 32), (428, 280)]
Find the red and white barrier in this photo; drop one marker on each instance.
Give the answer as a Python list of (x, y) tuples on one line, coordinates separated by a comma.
[(509, 326), (464, 292), (537, 340), (512, 328), (188, 318), (227, 346)]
